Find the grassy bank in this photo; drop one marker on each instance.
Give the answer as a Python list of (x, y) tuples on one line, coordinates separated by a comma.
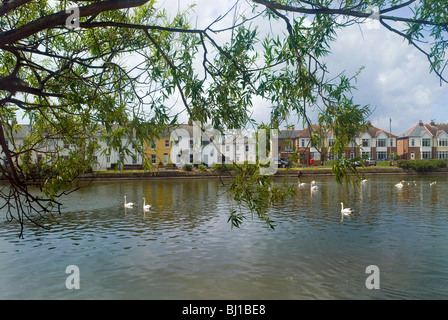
[(293, 172)]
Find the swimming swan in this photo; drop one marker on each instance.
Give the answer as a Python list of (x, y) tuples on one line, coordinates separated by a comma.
[(145, 206), (313, 187), (345, 211), (129, 204), (399, 185)]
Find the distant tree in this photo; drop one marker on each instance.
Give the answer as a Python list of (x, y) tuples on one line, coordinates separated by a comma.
[(76, 67)]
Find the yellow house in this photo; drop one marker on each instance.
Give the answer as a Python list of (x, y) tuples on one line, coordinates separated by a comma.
[(158, 150)]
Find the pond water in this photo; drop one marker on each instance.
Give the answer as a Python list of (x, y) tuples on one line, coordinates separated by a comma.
[(184, 248)]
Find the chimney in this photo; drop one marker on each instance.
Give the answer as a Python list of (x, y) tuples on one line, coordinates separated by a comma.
[(432, 123), (420, 122)]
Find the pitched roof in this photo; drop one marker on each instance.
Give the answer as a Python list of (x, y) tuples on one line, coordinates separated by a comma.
[(375, 132), (288, 134), (419, 129), (308, 131)]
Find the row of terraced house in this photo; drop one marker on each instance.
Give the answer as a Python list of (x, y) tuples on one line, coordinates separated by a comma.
[(422, 141)]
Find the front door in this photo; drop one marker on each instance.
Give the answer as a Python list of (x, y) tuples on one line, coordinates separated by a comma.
[(412, 155)]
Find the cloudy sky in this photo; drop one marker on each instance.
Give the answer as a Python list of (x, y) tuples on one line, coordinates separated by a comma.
[(396, 82)]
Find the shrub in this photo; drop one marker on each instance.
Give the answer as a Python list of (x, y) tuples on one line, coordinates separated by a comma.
[(201, 167), (329, 163), (187, 167), (385, 163), (222, 167), (422, 165)]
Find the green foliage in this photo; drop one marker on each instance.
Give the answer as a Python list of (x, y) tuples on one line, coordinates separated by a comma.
[(187, 167), (255, 193), (202, 167), (385, 163), (80, 87), (329, 163), (347, 170), (222, 167), (422, 165)]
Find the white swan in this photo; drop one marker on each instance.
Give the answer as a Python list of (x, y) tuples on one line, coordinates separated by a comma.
[(145, 206), (313, 187), (129, 204), (301, 184), (345, 211), (399, 185), (433, 183)]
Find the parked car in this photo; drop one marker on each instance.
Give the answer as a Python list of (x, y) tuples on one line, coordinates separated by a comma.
[(370, 162), (281, 163)]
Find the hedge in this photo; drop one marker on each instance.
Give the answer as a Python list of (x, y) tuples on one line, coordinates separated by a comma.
[(422, 165), (383, 163), (329, 163)]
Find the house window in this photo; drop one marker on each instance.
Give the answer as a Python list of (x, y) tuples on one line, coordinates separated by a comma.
[(153, 159), (352, 155), (442, 155), (426, 142), (167, 143), (365, 143), (381, 155), (134, 144), (366, 155), (227, 148), (303, 142), (108, 158), (247, 148), (287, 145), (391, 142), (153, 144), (237, 148), (330, 142), (381, 142), (191, 158), (191, 143), (443, 142), (412, 142), (426, 155)]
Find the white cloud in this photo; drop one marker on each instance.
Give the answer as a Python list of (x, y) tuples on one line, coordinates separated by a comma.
[(396, 81)]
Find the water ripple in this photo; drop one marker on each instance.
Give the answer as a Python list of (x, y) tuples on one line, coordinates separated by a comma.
[(185, 249)]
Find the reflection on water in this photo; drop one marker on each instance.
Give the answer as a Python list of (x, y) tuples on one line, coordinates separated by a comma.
[(184, 248)]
